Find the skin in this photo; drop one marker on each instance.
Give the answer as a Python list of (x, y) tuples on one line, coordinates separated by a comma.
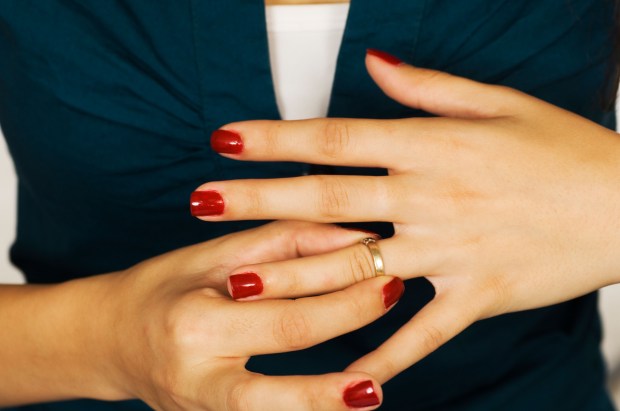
[(171, 344), (503, 202), (165, 331)]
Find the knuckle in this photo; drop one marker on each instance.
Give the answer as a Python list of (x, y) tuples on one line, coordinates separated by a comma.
[(294, 283), (334, 139), (498, 292), (271, 139), (429, 80), (185, 326), (291, 330), (178, 326), (455, 144), (173, 386), (434, 75), (361, 266), (432, 338), (389, 365), (333, 199), (357, 311), (313, 403), (236, 398), (169, 376), (460, 196), (253, 200), (312, 398)]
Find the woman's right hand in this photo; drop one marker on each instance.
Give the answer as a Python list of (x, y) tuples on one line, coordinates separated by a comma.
[(178, 342)]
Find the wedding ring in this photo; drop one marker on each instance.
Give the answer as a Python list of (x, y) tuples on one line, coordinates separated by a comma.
[(373, 247)]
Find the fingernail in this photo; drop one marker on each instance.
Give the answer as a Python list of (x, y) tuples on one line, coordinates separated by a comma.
[(388, 58), (226, 142), (245, 285), (206, 203), (361, 395), (392, 292), (369, 233)]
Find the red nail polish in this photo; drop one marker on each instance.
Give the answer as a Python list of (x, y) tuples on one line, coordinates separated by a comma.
[(226, 142), (388, 58), (245, 285), (206, 203), (361, 395), (392, 292)]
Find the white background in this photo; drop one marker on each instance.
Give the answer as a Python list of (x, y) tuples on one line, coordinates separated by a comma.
[(610, 297)]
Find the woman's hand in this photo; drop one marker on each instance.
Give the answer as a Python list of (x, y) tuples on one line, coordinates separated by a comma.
[(504, 202), (166, 331), (184, 343)]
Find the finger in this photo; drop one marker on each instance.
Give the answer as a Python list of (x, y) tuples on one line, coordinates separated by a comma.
[(329, 272), (439, 92), (336, 391), (279, 240), (272, 326), (309, 198), (439, 321), (334, 141)]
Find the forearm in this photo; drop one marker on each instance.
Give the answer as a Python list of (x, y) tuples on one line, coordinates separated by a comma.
[(50, 345)]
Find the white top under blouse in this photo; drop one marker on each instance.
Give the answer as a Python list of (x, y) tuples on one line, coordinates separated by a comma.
[(304, 41)]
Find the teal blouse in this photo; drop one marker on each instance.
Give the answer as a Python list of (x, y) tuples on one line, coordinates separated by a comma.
[(107, 108)]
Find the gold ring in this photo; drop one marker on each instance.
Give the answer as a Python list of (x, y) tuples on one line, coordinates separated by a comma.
[(373, 246)]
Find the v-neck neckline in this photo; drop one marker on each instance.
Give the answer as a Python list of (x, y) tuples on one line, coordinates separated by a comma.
[(231, 45)]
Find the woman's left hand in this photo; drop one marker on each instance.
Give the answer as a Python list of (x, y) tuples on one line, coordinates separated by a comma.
[(504, 202)]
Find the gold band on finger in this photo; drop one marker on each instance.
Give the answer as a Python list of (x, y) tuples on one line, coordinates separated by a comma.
[(373, 246)]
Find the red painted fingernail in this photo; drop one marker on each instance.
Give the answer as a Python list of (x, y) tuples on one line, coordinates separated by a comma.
[(226, 142), (206, 203), (370, 233), (388, 58), (392, 292), (245, 285), (361, 395)]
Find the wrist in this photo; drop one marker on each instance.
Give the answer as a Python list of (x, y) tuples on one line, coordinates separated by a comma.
[(615, 252), (55, 346), (90, 322), (609, 211)]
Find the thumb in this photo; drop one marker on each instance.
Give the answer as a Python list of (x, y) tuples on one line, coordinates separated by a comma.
[(437, 92)]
